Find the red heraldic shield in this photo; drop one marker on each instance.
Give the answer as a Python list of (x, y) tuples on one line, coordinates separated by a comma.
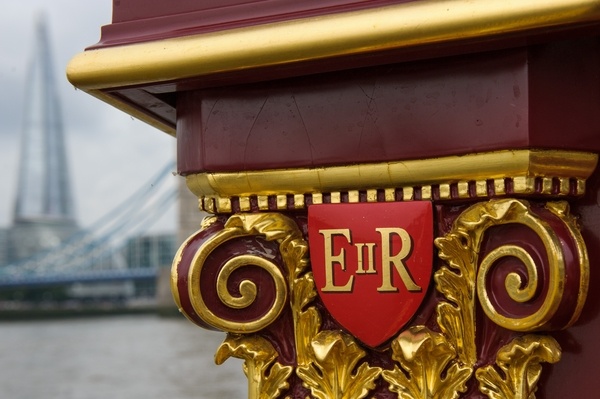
[(372, 263)]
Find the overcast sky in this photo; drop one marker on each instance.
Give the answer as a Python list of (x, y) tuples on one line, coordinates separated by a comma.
[(110, 154)]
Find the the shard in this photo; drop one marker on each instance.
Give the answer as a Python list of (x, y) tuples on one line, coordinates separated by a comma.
[(44, 214)]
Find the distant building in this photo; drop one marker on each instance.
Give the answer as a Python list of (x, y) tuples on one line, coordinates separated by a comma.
[(44, 214), (3, 246), (30, 236), (151, 251)]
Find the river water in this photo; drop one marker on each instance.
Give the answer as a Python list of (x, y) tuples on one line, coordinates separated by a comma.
[(120, 357)]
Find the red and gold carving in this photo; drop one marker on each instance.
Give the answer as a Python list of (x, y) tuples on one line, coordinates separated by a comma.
[(508, 273), (482, 112)]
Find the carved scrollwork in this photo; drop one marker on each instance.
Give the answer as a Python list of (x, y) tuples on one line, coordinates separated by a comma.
[(533, 296), (266, 377), (329, 363), (549, 285), (270, 227)]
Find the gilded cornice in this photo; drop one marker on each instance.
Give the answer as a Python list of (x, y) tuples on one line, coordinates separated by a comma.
[(399, 26)]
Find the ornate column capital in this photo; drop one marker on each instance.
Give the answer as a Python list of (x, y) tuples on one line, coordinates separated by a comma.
[(507, 273)]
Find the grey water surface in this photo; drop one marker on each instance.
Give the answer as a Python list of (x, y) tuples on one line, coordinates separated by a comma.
[(117, 357)]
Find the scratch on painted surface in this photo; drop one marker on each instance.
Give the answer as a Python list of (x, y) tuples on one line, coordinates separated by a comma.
[(310, 145), (252, 128), (370, 105)]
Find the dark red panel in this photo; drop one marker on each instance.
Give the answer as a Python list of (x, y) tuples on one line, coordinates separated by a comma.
[(564, 82), (510, 99), (131, 10), (414, 110), (143, 20)]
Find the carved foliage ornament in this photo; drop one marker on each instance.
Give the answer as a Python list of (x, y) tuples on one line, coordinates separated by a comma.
[(490, 260)]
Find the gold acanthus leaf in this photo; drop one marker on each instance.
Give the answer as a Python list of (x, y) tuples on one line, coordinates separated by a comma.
[(457, 283), (306, 323), (428, 370), (332, 373), (303, 291), (520, 365), (264, 380), (309, 323), (294, 250)]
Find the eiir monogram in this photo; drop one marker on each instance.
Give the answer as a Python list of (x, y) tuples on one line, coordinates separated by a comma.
[(337, 255)]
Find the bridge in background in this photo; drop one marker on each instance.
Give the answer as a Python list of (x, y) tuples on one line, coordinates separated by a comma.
[(103, 252)]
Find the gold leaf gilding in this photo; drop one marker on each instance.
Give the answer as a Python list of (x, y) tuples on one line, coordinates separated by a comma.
[(332, 374), (518, 367), (429, 364), (264, 381), (425, 356)]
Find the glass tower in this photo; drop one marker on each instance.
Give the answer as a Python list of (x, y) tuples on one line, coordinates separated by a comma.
[(44, 214)]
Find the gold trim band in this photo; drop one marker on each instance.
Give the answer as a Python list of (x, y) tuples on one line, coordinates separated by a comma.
[(543, 172), (521, 185), (405, 25)]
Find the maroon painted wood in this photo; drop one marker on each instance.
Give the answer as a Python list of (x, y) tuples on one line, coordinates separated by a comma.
[(136, 21), (507, 99), (575, 376)]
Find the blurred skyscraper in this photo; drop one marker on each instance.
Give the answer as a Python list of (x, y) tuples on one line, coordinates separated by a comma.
[(44, 214)]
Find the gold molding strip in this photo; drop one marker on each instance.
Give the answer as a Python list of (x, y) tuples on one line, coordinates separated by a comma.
[(420, 172), (483, 175), (403, 25)]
